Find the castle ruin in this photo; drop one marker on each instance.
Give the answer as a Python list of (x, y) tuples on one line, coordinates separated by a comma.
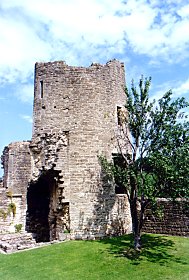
[(55, 181)]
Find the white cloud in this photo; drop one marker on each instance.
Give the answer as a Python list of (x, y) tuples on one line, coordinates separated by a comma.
[(27, 118), (20, 46), (158, 31), (45, 30), (184, 11), (25, 93), (180, 89), (88, 30)]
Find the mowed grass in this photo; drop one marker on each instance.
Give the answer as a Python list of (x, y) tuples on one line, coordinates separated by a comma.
[(161, 258)]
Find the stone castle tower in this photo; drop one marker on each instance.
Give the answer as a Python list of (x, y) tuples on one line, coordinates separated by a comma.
[(56, 179)]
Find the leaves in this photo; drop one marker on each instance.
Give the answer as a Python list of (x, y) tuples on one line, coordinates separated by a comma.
[(156, 164), (154, 147), (159, 143)]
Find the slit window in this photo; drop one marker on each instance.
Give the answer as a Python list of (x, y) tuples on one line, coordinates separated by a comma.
[(41, 89), (119, 118)]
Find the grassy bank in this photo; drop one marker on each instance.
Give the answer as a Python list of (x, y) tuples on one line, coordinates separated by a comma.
[(161, 258)]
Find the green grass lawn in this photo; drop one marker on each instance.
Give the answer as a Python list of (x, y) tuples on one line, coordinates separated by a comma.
[(161, 258)]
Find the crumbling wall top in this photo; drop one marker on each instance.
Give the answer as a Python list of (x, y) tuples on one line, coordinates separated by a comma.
[(16, 163), (62, 64)]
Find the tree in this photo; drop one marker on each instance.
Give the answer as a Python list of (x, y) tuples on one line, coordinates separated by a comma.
[(153, 155)]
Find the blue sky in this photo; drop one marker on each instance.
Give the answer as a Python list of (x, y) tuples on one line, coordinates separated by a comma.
[(150, 36)]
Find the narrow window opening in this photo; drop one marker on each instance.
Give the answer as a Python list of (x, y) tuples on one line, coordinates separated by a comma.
[(119, 118), (41, 89)]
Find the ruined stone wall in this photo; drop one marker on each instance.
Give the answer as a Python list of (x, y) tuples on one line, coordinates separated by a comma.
[(10, 243), (173, 218), (55, 181), (4, 223), (16, 162), (75, 118)]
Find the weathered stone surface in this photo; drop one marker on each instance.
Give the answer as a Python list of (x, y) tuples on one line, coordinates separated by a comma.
[(173, 219), (10, 243), (56, 180), (16, 161)]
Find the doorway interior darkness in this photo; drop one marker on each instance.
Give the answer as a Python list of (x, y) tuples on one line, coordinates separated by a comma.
[(40, 217)]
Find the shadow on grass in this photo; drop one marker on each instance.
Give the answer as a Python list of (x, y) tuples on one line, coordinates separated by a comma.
[(154, 249)]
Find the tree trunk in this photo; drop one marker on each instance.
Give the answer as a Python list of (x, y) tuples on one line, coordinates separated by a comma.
[(137, 241), (136, 223), (137, 214)]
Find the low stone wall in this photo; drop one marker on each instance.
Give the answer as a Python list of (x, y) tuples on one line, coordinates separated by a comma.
[(174, 219), (10, 243)]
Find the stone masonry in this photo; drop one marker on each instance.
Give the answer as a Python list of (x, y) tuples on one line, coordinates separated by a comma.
[(173, 218), (55, 182)]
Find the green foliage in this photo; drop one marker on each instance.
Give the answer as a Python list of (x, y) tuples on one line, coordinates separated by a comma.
[(11, 209), (156, 161), (10, 194), (66, 231), (12, 206), (3, 214), (18, 228)]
